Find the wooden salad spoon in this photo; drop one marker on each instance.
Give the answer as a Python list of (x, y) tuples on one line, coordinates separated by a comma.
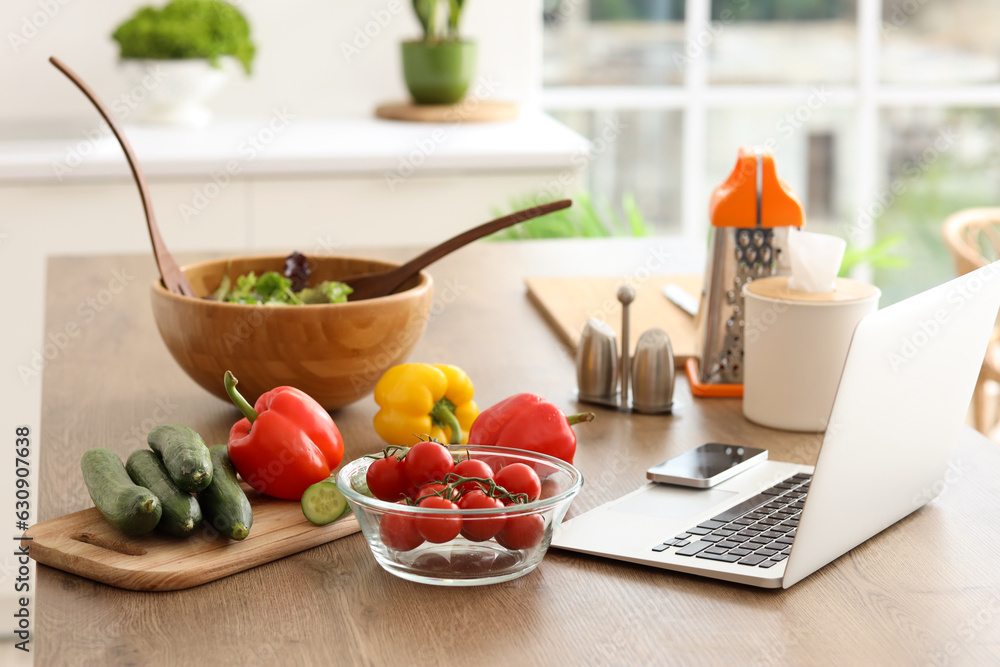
[(170, 273), (371, 285)]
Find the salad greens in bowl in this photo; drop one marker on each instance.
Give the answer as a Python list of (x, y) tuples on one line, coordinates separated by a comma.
[(289, 288), (335, 352)]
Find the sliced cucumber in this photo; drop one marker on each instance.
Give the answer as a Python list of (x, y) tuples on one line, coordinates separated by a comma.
[(323, 503), (359, 482)]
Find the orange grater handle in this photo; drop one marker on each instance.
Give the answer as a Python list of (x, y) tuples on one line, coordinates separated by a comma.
[(734, 202)]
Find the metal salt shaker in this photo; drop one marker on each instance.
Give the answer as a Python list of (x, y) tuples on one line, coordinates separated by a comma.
[(597, 363), (653, 373)]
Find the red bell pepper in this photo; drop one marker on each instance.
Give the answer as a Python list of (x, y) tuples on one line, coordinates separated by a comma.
[(286, 442), (528, 421)]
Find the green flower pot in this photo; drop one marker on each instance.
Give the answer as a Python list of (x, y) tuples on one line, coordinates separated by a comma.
[(438, 72)]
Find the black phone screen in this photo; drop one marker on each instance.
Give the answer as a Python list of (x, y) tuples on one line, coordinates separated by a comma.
[(706, 461)]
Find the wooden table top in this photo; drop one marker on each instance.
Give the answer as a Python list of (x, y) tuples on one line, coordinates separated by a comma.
[(925, 591)]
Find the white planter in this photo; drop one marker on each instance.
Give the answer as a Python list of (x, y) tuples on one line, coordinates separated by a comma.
[(172, 92)]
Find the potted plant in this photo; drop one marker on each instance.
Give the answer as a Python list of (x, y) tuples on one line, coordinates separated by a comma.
[(191, 47), (439, 67)]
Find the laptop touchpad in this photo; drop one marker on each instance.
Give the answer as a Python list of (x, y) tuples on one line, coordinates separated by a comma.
[(671, 502)]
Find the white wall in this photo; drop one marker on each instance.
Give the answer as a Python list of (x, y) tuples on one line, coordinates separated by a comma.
[(299, 64)]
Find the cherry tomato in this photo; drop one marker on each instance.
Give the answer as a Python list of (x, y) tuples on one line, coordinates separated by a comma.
[(480, 528), (399, 532), (550, 487), (522, 531), (494, 461), (472, 468), (428, 461), (438, 529), (519, 478), (387, 479), (436, 489)]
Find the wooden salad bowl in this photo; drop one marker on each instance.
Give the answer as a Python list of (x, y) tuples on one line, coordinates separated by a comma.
[(333, 352)]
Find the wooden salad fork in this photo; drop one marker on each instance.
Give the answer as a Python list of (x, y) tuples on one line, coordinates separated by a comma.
[(170, 273), (371, 285)]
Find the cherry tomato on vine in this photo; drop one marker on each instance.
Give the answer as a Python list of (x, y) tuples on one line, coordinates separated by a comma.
[(480, 528), (550, 487), (386, 479), (436, 489), (472, 468), (494, 461), (519, 478), (438, 529), (522, 531), (399, 532), (428, 461)]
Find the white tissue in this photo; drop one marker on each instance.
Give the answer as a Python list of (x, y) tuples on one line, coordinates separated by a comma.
[(815, 260)]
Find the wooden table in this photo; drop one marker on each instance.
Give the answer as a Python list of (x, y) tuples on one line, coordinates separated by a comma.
[(926, 591)]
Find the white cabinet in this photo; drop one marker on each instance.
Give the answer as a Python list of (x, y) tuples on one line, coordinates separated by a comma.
[(106, 216), (324, 215), (319, 186)]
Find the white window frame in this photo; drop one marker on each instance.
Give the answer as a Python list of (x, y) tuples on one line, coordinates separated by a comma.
[(868, 96)]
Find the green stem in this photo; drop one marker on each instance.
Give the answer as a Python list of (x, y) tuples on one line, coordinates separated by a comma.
[(237, 399), (293, 298), (443, 414), (580, 417), (489, 486)]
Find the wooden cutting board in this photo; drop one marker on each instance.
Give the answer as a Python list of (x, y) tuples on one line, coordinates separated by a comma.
[(568, 303), (85, 544), (467, 111)]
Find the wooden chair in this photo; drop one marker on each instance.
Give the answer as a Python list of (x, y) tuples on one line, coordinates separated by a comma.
[(973, 238)]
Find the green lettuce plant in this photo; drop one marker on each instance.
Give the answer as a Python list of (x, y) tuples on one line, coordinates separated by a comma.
[(585, 219), (880, 256), (187, 29), (439, 18)]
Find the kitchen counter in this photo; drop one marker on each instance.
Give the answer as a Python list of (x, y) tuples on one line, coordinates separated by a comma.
[(918, 593), (278, 181), (284, 144)]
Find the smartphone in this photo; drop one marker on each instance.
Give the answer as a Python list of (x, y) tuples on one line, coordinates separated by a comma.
[(706, 465)]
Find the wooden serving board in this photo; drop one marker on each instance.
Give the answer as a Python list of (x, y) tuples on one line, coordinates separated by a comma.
[(85, 544), (568, 303), (466, 111)]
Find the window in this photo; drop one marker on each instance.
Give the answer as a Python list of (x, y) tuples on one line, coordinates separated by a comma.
[(882, 115)]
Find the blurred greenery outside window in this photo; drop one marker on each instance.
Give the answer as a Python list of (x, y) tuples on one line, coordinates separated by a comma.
[(793, 75)]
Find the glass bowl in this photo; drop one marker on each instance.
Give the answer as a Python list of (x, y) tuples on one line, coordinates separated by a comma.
[(461, 561)]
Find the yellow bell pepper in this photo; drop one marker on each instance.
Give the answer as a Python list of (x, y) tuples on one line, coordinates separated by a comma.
[(421, 400)]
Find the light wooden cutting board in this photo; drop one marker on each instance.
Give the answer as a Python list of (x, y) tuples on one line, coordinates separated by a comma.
[(85, 544), (568, 303), (484, 111)]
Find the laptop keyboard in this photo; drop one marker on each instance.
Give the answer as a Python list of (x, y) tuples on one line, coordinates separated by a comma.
[(757, 532)]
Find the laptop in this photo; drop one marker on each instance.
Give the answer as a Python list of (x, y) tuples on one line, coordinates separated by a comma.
[(903, 395)]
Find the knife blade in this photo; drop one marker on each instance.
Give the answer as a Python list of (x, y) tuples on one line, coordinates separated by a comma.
[(677, 296)]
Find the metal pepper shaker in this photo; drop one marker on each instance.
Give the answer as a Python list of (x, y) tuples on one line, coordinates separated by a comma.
[(653, 373), (597, 363)]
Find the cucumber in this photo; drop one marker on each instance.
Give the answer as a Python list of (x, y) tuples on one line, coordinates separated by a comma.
[(181, 513), (184, 455), (132, 509), (323, 503), (359, 482), (223, 503)]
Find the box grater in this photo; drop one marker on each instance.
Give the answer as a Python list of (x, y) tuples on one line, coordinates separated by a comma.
[(751, 213)]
